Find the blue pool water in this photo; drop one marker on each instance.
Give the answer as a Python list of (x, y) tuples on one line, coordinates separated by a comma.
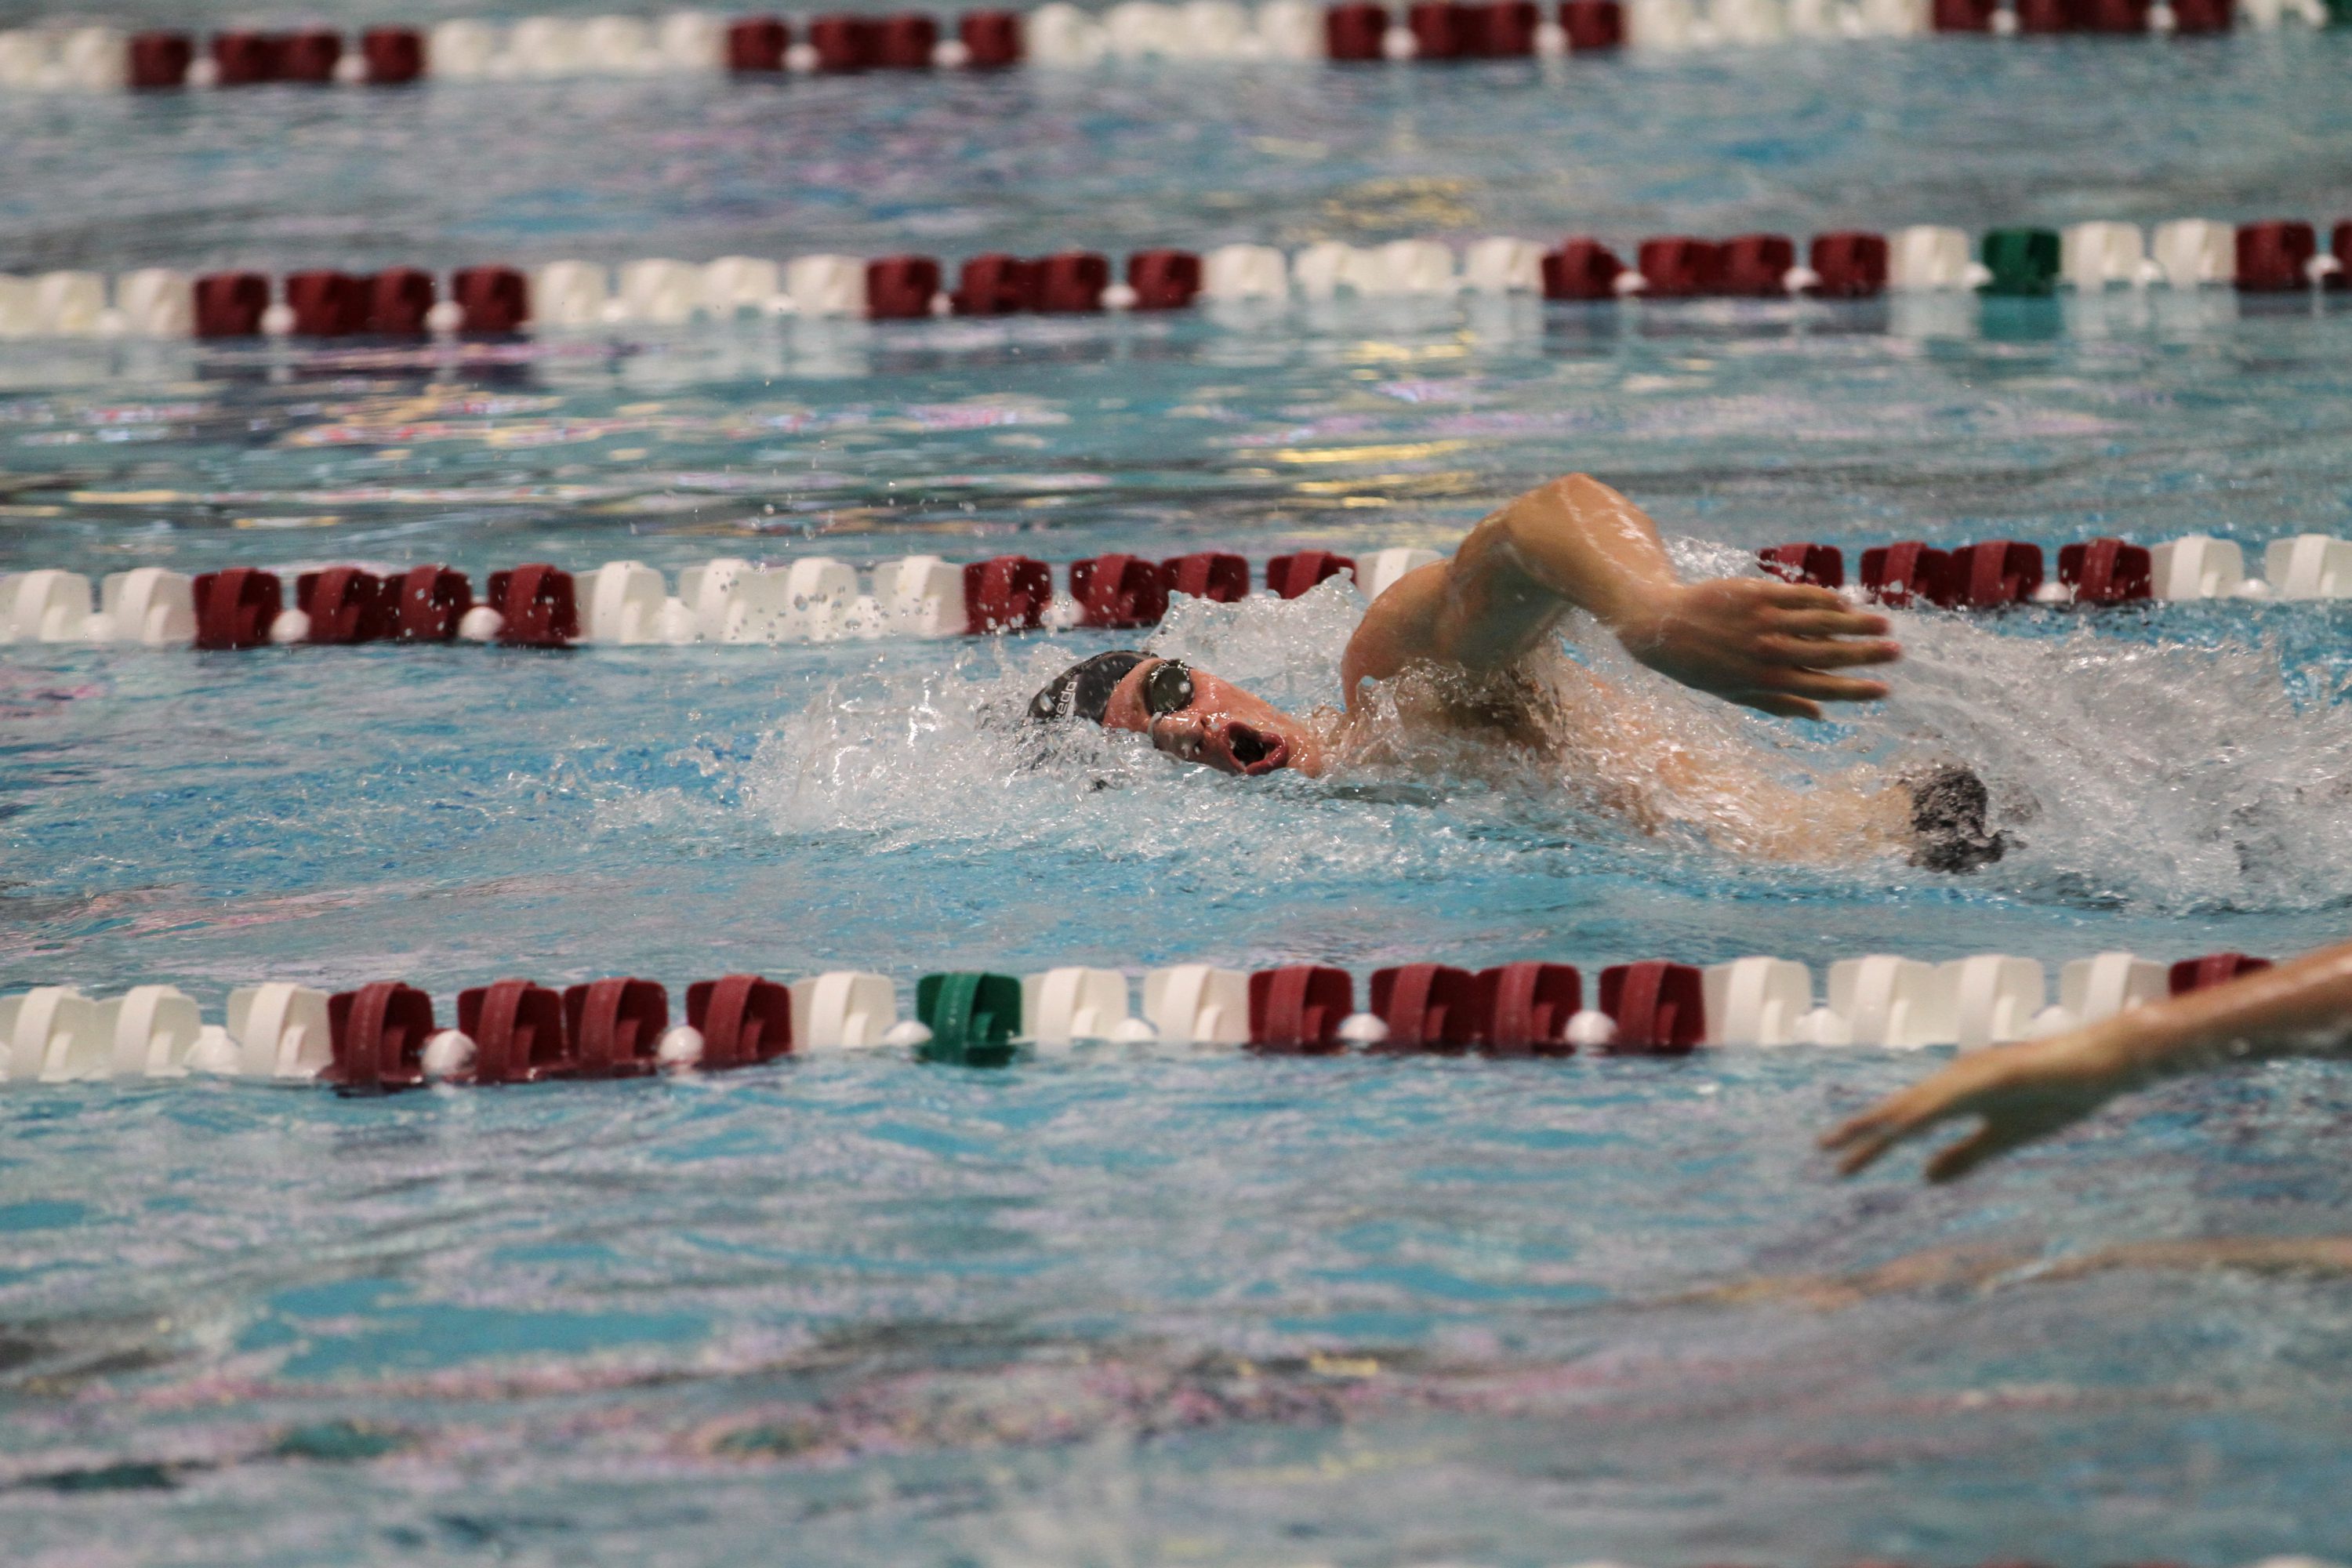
[(1155, 1310)]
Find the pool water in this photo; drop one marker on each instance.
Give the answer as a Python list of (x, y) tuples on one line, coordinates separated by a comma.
[(1155, 1308)]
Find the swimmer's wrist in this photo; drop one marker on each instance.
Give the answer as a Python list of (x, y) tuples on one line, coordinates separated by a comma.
[(1639, 617)]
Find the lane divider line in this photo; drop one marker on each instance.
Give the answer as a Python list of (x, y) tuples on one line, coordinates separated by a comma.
[(385, 1034), (2270, 257), (730, 600), (62, 55)]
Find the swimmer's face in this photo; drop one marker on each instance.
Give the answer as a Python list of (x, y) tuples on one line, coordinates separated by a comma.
[(1222, 726)]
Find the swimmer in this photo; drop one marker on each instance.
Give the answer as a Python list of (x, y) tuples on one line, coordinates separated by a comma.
[(1468, 647), (2033, 1088)]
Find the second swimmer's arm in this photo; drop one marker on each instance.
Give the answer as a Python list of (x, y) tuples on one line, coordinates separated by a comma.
[(1576, 543), (2033, 1088)]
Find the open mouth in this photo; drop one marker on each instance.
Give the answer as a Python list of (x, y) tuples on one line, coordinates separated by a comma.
[(1254, 752)]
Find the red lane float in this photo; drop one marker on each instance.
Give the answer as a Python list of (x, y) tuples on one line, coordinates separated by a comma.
[(310, 57), (1680, 267), (1659, 1007), (326, 304), (995, 284), (992, 39), (1209, 574), (1503, 29), (1072, 282), (843, 44), (517, 1028), (158, 61), (2212, 969), (348, 605), (395, 302), (1822, 566), (1298, 1008), (1522, 1009), (1119, 590), (394, 57), (2112, 16), (432, 600), (1850, 263), (244, 58), (901, 288), (1963, 15), (1592, 25), (904, 42), (757, 45), (1291, 575), (399, 301), (2048, 16), (1581, 270), (236, 607), (1354, 33), (1438, 29), (537, 605), (2106, 572), (1427, 1008), (1978, 576), (1006, 593), (1757, 264), (1985, 575), (744, 1020), (379, 1034), (1163, 279), (2275, 258), (230, 304), (490, 299), (614, 1026), (1900, 574)]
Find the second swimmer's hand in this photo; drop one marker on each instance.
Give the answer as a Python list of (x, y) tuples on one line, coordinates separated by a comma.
[(2023, 1091), (1773, 645)]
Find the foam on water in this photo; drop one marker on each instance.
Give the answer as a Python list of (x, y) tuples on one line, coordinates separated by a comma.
[(2181, 776)]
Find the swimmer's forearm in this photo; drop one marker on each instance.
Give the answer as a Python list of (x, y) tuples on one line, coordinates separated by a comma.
[(1572, 544), (1575, 543), (2030, 1088), (1584, 543), (2302, 1007)]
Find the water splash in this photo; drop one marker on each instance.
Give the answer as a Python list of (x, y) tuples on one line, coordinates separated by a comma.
[(2150, 772), (2155, 773)]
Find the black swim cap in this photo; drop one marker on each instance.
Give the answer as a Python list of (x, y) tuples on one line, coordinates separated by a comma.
[(1083, 690)]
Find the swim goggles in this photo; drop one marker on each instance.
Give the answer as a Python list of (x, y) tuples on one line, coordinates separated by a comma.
[(1168, 689)]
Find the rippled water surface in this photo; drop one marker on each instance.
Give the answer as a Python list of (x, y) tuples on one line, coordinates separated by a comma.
[(1154, 1310)]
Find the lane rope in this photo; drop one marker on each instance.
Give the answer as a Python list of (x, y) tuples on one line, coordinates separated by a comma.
[(2272, 257), (62, 55), (820, 598), (385, 1034)]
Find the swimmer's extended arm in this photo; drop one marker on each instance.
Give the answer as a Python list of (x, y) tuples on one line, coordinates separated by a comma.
[(2033, 1088), (1577, 545)]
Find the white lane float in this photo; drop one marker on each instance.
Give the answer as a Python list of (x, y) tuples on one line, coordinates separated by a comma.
[(1197, 1004)]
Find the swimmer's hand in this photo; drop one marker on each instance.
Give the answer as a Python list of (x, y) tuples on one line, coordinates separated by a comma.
[(1763, 644), (2024, 1091)]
